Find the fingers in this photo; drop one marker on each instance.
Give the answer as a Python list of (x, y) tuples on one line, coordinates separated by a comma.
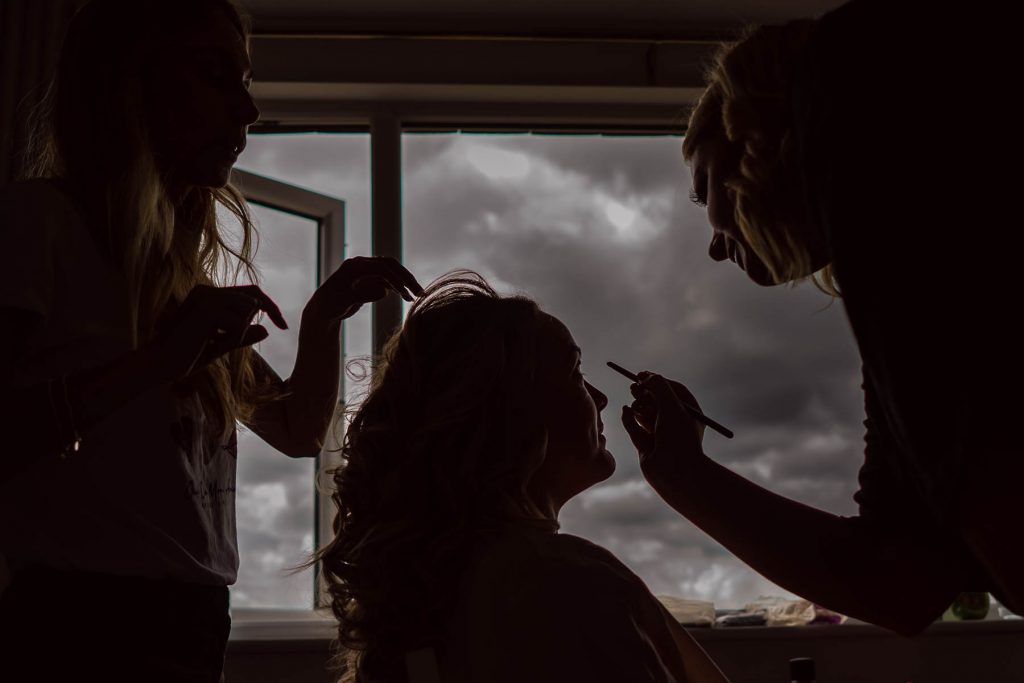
[(254, 334), (388, 270), (375, 287), (405, 279), (223, 341), (665, 394), (264, 303), (684, 395)]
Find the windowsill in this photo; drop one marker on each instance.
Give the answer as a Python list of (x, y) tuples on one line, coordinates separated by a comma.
[(254, 624), (856, 630), (297, 647), (263, 625)]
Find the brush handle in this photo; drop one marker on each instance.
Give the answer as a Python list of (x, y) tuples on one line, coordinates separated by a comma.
[(696, 414)]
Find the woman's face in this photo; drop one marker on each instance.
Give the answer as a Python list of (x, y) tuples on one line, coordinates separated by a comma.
[(198, 104), (713, 163), (576, 457)]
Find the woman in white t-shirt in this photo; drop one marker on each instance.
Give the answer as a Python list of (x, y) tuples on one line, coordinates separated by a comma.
[(126, 362), (447, 563)]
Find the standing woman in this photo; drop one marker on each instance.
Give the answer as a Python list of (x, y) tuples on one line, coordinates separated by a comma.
[(126, 363), (827, 149)]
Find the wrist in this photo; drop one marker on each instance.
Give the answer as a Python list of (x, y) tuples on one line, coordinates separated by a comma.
[(315, 320), (685, 483)]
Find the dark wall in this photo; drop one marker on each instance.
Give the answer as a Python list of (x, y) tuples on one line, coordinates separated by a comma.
[(980, 652)]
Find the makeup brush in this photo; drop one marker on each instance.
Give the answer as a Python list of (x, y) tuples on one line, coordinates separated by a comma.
[(697, 415)]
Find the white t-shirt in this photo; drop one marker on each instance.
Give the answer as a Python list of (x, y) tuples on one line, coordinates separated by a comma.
[(148, 495)]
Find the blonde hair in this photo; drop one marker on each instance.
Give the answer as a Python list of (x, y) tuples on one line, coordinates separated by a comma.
[(436, 460), (747, 103), (90, 130)]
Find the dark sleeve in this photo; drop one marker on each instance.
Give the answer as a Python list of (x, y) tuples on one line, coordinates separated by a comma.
[(884, 494)]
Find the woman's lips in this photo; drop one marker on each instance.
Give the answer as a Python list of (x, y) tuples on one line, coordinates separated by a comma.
[(737, 255), (228, 149)]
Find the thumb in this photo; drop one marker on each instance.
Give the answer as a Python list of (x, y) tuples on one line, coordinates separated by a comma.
[(637, 434), (253, 335)]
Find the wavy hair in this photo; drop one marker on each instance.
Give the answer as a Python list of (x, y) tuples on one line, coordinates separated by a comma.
[(747, 102), (90, 129), (435, 459)]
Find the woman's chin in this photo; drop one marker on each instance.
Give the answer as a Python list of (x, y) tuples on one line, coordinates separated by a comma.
[(759, 274), (608, 462)]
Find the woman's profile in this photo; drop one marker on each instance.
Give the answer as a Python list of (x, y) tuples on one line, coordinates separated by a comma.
[(479, 425), (127, 357), (820, 151)]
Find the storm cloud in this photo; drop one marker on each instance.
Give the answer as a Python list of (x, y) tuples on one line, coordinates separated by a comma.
[(600, 232)]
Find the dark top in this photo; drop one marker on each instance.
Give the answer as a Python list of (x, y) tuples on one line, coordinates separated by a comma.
[(901, 155)]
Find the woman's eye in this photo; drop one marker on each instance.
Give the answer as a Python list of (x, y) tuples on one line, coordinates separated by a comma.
[(217, 73), (696, 199)]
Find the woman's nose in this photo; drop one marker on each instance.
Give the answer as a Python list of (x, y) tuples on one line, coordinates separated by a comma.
[(600, 400), (247, 111)]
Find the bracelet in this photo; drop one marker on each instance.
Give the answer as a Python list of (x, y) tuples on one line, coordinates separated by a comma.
[(76, 438), (74, 442)]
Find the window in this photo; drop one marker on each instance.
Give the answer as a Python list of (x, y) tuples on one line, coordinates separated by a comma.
[(301, 241), (600, 231)]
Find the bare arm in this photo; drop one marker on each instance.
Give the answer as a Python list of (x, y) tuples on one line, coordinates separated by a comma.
[(898, 576), (298, 424)]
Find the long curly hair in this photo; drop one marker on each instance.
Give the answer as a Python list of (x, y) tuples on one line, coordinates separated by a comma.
[(747, 102), (90, 129), (435, 460)]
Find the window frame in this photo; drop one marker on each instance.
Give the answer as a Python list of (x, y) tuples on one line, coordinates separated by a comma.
[(442, 84), (329, 215)]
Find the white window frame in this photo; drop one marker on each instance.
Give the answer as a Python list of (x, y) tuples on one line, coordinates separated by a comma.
[(329, 215)]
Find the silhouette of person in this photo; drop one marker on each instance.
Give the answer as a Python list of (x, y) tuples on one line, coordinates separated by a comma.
[(819, 151), (127, 362), (447, 559)]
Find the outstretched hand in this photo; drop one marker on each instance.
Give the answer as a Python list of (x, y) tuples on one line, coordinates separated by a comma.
[(213, 321), (361, 280), (667, 439)]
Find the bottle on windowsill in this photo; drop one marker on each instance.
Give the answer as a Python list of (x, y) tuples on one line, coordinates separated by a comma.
[(968, 606), (801, 670)]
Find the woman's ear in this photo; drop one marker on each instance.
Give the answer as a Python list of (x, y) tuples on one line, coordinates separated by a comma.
[(534, 450)]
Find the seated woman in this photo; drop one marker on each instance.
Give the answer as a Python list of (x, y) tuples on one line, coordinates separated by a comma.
[(447, 564)]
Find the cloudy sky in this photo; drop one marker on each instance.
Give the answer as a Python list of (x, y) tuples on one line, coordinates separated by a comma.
[(599, 230)]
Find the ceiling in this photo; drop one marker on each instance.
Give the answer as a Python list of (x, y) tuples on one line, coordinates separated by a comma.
[(668, 19)]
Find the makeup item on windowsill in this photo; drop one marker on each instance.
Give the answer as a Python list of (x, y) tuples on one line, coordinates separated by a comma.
[(696, 414)]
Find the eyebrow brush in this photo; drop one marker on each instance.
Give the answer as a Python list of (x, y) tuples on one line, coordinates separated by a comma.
[(697, 415)]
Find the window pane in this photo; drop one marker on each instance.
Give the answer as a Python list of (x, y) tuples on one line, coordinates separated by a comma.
[(275, 493), (600, 231)]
